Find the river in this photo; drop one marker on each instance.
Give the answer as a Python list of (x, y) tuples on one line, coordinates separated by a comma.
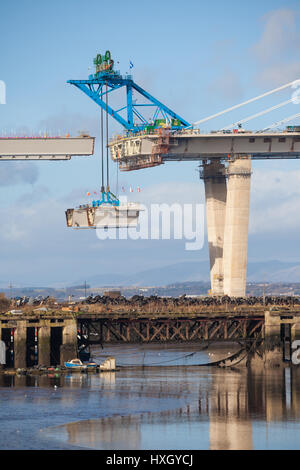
[(174, 404)]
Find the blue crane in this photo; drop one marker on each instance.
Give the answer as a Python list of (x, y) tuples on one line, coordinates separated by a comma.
[(105, 80)]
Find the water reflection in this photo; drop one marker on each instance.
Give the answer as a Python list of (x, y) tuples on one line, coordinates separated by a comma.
[(125, 430), (183, 407), (223, 411)]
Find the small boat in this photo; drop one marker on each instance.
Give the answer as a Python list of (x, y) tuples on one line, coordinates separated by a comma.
[(75, 364)]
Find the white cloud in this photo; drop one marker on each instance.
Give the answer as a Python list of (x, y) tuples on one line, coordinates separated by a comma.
[(277, 51), (279, 74), (12, 173), (279, 35)]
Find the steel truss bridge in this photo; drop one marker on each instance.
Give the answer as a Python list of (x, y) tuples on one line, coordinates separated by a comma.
[(161, 330)]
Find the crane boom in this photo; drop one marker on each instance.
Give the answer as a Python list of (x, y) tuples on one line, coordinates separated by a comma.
[(106, 80)]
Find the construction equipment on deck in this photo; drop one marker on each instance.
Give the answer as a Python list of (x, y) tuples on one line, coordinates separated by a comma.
[(136, 122)]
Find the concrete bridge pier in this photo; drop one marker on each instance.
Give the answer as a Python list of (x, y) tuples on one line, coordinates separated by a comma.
[(20, 339), (281, 340), (69, 348), (215, 194), (35, 341), (235, 247), (227, 214), (280, 332), (44, 334)]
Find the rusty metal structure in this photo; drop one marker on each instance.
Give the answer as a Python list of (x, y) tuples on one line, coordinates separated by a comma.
[(162, 330)]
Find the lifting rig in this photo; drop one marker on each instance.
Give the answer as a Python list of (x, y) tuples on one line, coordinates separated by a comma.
[(107, 212)]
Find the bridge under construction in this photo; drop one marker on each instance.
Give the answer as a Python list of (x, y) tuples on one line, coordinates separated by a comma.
[(45, 148), (225, 167), (154, 134), (224, 156)]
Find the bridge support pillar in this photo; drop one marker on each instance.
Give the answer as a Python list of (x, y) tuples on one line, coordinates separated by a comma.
[(20, 345), (44, 345), (69, 349), (235, 247), (227, 215), (215, 195)]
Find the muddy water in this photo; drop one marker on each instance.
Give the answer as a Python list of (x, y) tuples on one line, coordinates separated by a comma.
[(172, 405)]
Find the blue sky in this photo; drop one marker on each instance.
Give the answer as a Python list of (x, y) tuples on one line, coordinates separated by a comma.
[(198, 58)]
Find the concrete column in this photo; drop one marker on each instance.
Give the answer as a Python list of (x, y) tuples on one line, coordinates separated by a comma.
[(215, 196), (2, 352), (236, 227), (69, 349), (20, 337), (44, 333)]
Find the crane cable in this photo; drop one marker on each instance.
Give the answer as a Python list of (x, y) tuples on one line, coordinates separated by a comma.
[(117, 183), (158, 363), (107, 165), (261, 113), (102, 155), (283, 121), (275, 90)]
